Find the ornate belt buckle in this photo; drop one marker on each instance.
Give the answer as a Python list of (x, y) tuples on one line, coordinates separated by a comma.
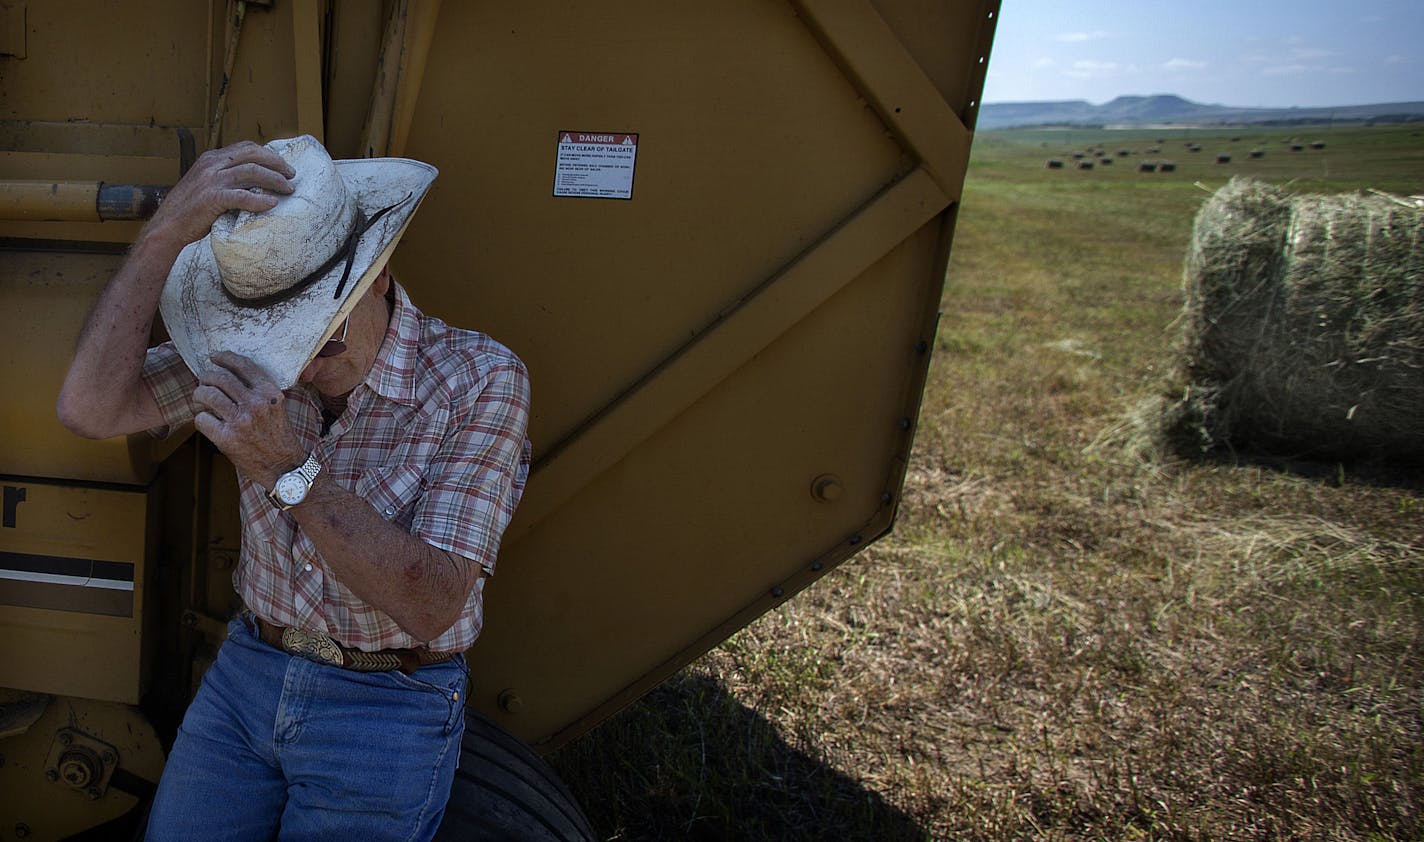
[(314, 646)]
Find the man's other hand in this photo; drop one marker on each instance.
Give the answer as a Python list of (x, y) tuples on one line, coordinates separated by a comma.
[(242, 413)]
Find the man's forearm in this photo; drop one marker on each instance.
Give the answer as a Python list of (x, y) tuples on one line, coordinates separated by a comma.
[(421, 587), (99, 393)]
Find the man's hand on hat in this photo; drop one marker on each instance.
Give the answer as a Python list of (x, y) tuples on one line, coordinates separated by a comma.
[(231, 178), (242, 413)]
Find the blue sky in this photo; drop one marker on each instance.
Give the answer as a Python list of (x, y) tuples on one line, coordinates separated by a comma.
[(1269, 53)]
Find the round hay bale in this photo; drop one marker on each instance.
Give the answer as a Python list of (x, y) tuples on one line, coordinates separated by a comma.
[(1303, 327), (1147, 166), (1223, 159), (1167, 166), (1258, 153), (1054, 164), (1085, 165), (1106, 161)]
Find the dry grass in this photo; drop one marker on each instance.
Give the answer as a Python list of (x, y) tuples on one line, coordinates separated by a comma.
[(1062, 640)]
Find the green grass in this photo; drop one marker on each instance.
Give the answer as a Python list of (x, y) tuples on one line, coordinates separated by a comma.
[(1062, 639)]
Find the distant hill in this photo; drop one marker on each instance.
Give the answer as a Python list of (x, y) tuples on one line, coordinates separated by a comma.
[(1167, 109)]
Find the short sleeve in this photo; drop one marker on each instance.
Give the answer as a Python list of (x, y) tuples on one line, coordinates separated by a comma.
[(477, 475), (172, 385)]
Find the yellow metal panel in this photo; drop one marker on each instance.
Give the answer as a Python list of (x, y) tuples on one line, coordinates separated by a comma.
[(904, 97), (262, 96), (306, 66), (122, 74), (743, 332), (44, 299), (743, 119), (73, 569), (620, 586), (355, 39)]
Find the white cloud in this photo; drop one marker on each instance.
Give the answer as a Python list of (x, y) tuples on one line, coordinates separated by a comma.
[(1398, 59), (1079, 37), (1184, 64), (1088, 69), (1042, 63), (1287, 69)]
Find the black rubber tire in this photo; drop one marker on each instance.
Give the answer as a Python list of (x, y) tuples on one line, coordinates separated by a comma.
[(504, 791)]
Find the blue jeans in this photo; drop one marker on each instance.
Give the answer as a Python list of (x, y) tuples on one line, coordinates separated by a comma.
[(280, 747)]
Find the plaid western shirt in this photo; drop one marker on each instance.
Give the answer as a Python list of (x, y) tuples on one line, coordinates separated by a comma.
[(434, 439)]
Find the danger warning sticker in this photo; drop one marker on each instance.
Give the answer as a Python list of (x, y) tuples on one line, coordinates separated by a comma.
[(595, 165)]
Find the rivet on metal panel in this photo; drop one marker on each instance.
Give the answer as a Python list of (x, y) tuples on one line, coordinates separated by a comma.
[(903, 423), (921, 346), (855, 539), (886, 498), (778, 592), (509, 701), (827, 487), (816, 566)]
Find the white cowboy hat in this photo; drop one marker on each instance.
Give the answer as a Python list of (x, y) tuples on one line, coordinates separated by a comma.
[(273, 286)]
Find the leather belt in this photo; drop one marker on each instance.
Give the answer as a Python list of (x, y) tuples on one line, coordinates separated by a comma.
[(321, 648)]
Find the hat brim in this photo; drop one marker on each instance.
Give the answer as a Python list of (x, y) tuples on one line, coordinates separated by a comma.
[(282, 338)]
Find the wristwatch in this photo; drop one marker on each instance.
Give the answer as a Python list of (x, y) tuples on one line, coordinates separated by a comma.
[(291, 488)]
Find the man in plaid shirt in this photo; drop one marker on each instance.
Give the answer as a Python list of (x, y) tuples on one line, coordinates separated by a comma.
[(374, 492)]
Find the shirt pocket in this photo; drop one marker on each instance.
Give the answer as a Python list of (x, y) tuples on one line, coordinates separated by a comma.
[(392, 491)]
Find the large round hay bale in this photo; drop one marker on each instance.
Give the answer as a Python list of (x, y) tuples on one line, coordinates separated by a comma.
[(1304, 325)]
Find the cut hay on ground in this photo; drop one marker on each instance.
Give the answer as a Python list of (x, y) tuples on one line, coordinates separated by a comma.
[(1303, 326)]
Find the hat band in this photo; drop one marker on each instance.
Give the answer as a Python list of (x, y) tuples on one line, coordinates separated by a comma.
[(346, 252)]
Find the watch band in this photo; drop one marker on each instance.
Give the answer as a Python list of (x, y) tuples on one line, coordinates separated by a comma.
[(310, 468)]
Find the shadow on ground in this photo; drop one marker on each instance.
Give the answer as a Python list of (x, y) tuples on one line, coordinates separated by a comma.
[(688, 761)]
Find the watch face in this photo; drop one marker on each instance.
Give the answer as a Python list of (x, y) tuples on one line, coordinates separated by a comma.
[(291, 489)]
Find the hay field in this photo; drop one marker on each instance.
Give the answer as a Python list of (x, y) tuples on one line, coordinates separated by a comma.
[(1062, 640)]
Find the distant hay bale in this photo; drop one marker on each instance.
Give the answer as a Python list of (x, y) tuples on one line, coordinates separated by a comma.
[(1223, 159), (1296, 147), (1167, 166), (1085, 165), (1054, 164), (1303, 326), (1147, 166), (1319, 144), (1106, 161), (1258, 153)]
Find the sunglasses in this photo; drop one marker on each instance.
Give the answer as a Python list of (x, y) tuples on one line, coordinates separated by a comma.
[(337, 344)]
